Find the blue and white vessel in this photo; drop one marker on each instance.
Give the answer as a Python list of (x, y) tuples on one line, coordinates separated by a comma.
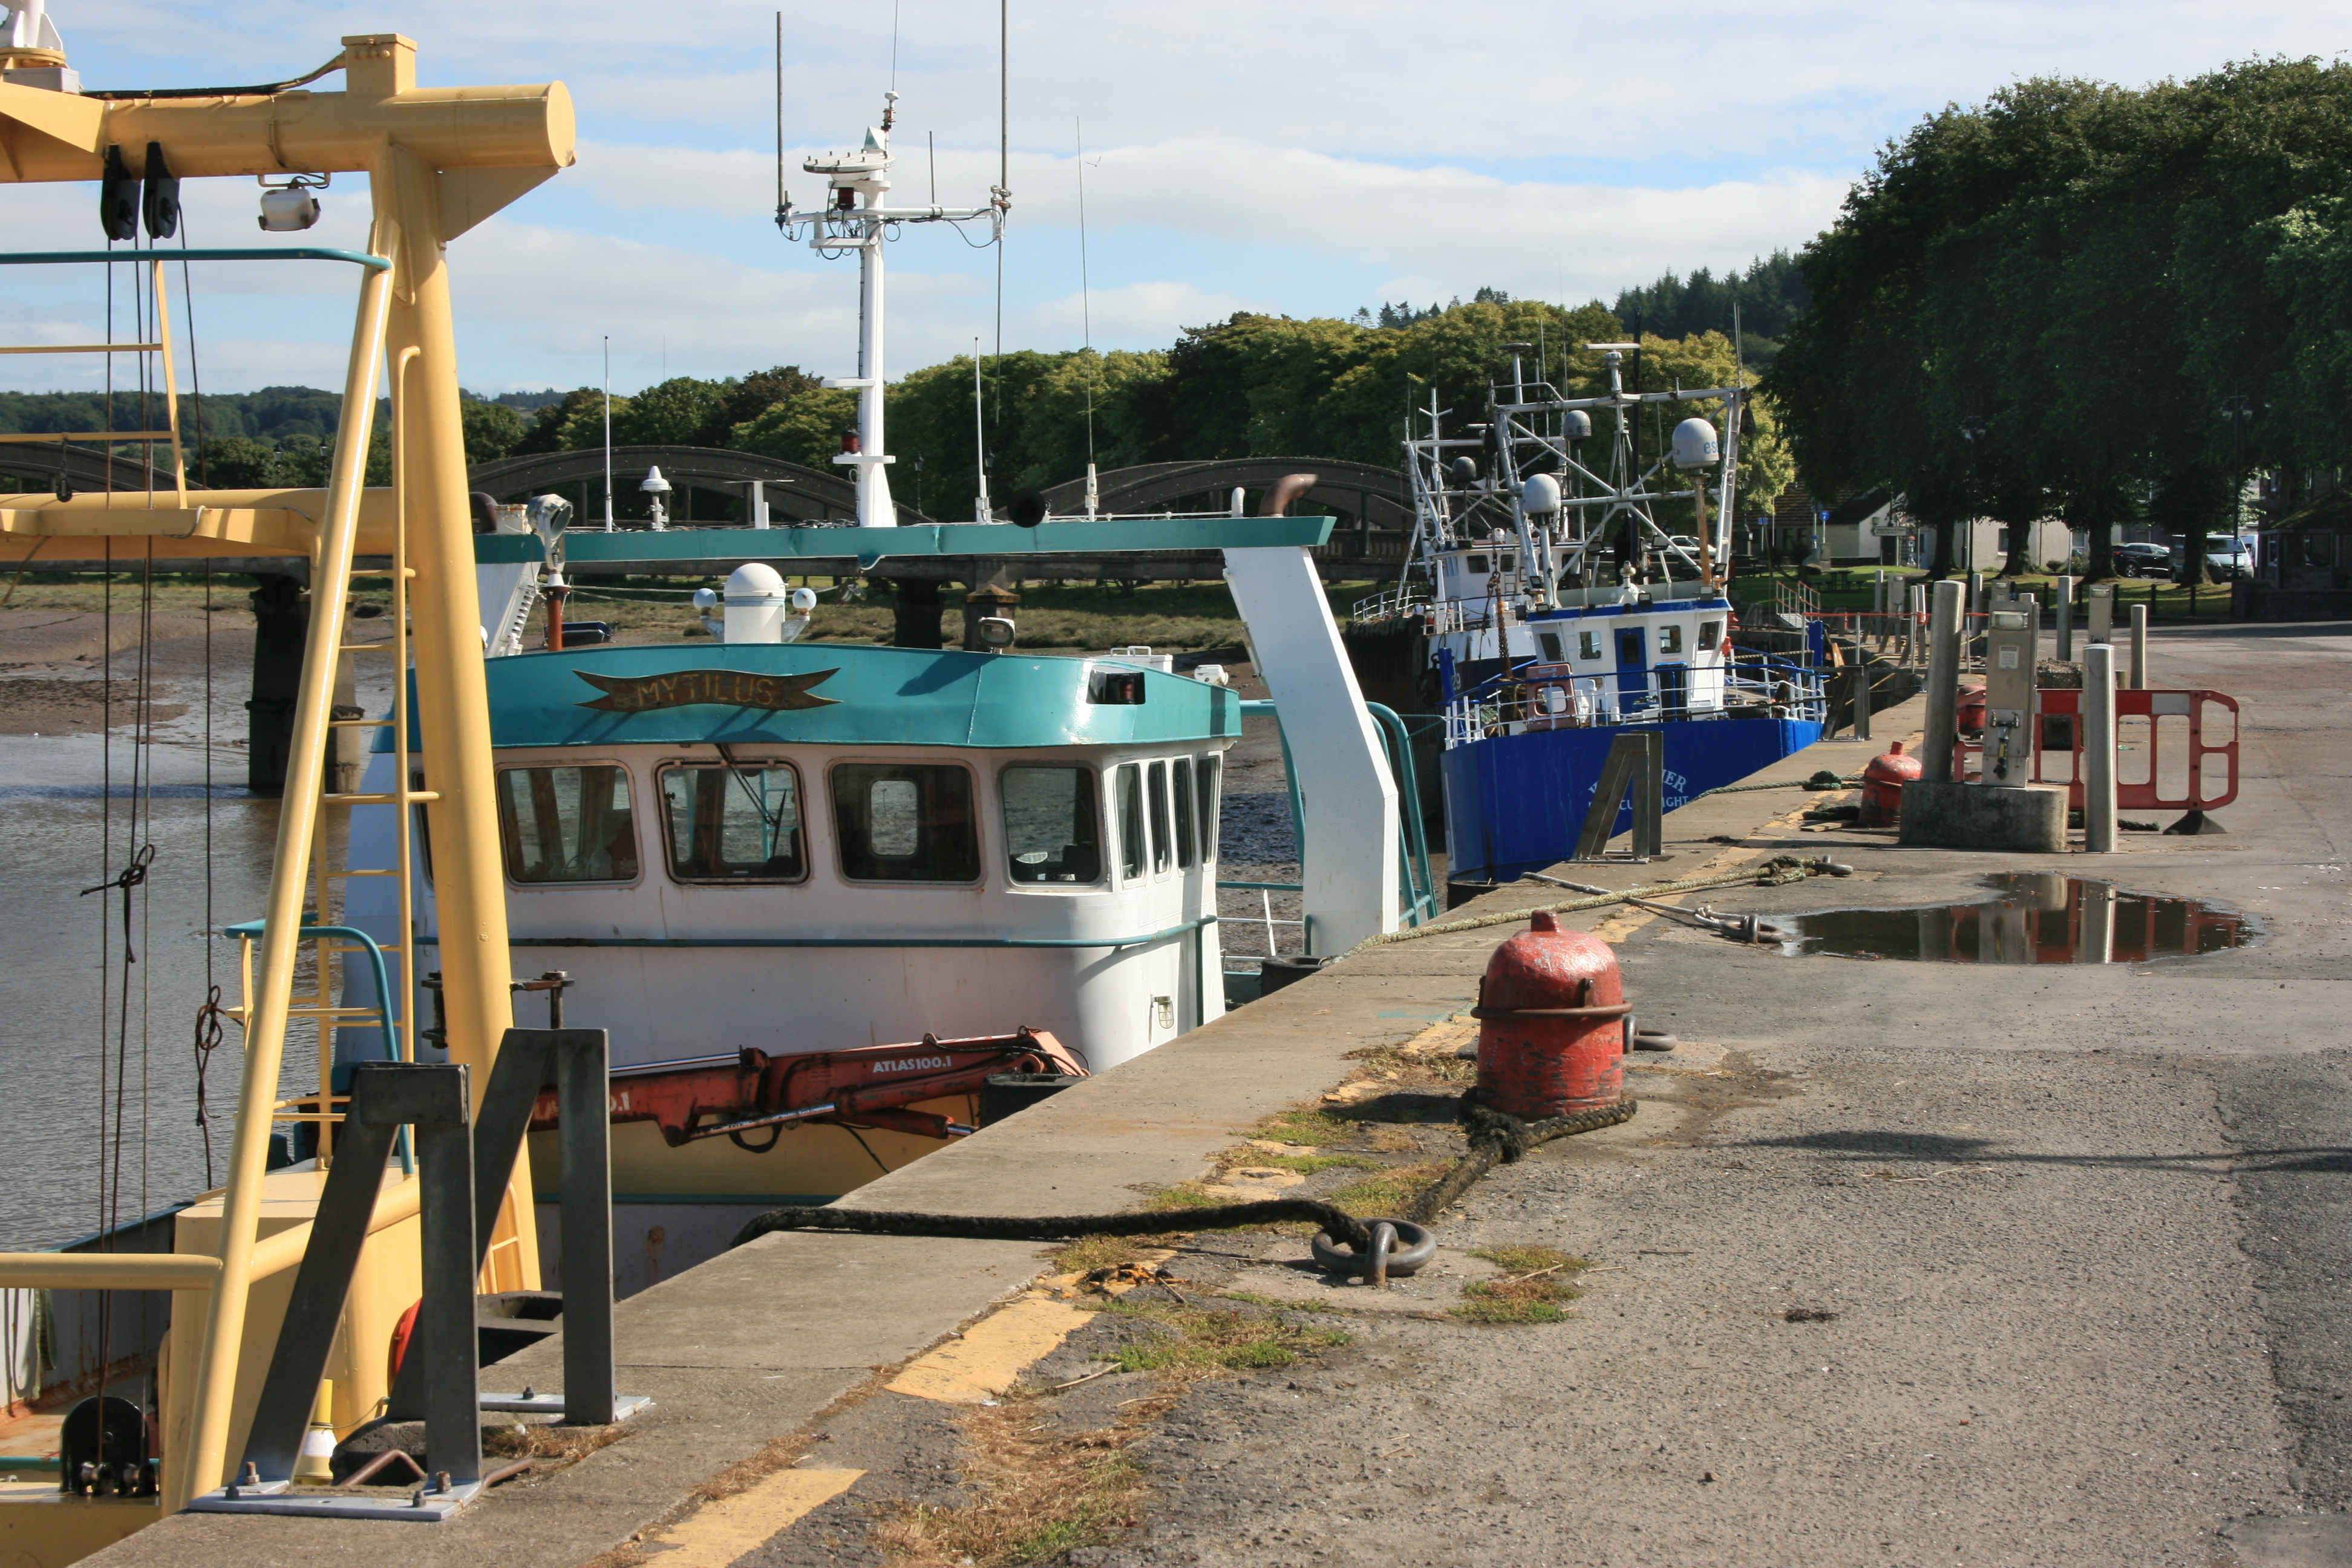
[(1558, 615)]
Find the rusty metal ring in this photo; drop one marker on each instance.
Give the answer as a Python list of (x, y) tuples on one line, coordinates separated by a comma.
[(1608, 1010), (1415, 1246)]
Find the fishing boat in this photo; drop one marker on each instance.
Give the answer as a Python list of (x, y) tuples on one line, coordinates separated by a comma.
[(822, 894), (790, 904), (1557, 616)]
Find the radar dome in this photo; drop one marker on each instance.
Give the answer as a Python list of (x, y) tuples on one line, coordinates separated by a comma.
[(1695, 445), (755, 580), (1539, 497)]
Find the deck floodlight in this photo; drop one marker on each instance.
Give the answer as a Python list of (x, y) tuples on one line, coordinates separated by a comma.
[(293, 206)]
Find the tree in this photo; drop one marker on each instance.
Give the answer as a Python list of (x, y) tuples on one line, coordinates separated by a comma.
[(492, 430), (672, 412)]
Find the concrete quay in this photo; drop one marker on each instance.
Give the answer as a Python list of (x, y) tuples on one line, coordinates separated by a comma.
[(1898, 1263)]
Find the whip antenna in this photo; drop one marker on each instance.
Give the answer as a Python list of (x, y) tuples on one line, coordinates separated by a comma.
[(784, 203)]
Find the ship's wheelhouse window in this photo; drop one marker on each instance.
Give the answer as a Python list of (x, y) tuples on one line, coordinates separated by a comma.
[(568, 824), (1131, 849), (1180, 780), (733, 822), (1550, 643), (1161, 847), (1588, 645), (1204, 800), (905, 822), (1510, 564), (1670, 638), (1478, 565), (1710, 636), (1052, 831)]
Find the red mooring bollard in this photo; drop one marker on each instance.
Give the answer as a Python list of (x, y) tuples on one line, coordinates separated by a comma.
[(1882, 786), (1552, 1024)]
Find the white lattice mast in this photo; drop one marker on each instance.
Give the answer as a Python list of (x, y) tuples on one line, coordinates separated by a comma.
[(856, 217)]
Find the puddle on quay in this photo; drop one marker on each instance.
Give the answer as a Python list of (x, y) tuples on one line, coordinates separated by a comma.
[(2029, 918)]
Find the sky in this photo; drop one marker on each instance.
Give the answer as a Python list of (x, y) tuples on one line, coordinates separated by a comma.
[(1295, 158)]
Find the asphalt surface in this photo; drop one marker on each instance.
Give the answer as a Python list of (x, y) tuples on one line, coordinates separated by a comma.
[(2082, 1230)]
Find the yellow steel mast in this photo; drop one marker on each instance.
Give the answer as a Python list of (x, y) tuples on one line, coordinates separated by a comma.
[(439, 161)]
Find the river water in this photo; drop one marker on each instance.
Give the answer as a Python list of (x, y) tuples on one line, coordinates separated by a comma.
[(100, 1103)]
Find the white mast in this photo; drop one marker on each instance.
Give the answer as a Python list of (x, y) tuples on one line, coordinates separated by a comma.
[(856, 218)]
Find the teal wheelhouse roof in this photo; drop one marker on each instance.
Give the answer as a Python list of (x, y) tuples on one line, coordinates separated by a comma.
[(855, 695)]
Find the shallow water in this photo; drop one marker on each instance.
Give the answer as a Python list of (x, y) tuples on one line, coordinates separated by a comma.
[(2028, 918)]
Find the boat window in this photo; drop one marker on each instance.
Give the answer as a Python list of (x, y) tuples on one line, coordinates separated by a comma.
[(1186, 838), (567, 824), (1477, 565), (1051, 832), (1510, 564), (730, 822), (905, 822), (1670, 638), (1161, 845), (1710, 636), (1131, 821), (1588, 645), (1204, 800), (1550, 643)]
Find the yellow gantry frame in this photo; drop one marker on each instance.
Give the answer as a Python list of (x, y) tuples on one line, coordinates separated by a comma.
[(438, 162)]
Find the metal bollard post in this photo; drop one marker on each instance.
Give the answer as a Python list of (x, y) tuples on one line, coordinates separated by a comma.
[(1943, 685), (2065, 621), (2139, 649), (2103, 612), (1975, 593), (2099, 749), (1860, 679)]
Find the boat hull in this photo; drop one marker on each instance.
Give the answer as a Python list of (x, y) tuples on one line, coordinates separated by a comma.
[(1515, 803)]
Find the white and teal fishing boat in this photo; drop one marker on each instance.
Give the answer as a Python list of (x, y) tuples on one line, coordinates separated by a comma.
[(818, 893)]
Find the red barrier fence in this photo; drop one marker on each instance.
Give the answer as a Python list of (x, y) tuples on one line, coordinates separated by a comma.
[(2164, 761)]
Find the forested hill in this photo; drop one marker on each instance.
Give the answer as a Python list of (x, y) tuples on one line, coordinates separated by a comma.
[(1771, 294), (269, 416), (1253, 385)]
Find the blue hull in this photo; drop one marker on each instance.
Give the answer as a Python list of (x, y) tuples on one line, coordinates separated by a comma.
[(1515, 803)]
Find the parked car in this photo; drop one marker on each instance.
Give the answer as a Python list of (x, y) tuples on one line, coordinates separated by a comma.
[(2143, 561), (2229, 558)]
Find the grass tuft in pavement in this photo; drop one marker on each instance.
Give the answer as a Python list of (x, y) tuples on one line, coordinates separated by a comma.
[(1531, 1291), (1386, 1196), (1204, 1340)]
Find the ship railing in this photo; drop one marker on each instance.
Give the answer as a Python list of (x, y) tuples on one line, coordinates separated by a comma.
[(1543, 698), (1396, 604), (1265, 921), (1901, 637)]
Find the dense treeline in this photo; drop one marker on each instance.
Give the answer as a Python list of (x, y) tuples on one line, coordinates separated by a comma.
[(1770, 295), (1250, 386), (2088, 301)]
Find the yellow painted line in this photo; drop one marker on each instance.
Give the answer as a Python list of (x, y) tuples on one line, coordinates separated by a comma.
[(724, 1531), (992, 1353)]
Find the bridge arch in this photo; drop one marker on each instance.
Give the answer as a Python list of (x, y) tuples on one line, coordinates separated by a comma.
[(1373, 505), (797, 493)]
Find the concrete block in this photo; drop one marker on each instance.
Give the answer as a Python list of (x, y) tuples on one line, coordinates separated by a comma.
[(2023, 819)]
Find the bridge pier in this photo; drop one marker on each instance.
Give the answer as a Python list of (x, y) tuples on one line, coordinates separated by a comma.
[(281, 624)]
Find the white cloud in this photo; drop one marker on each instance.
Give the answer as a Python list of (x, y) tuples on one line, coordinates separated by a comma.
[(1149, 312), (1304, 156), (1425, 228)]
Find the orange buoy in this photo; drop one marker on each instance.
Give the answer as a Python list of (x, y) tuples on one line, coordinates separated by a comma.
[(1552, 1024)]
